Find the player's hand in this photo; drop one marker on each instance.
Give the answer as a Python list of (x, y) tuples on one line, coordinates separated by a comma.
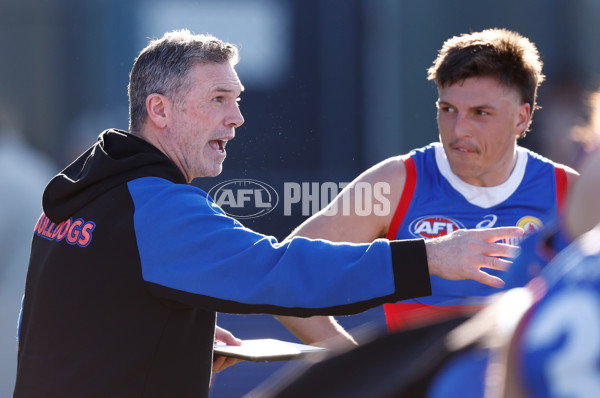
[(462, 254), (220, 362)]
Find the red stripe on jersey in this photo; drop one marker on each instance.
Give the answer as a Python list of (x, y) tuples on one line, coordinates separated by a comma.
[(402, 316), (561, 186), (407, 193)]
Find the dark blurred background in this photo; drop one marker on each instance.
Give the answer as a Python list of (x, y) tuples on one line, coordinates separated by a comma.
[(332, 87)]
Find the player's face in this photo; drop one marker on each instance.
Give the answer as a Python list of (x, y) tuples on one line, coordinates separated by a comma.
[(479, 121), (205, 118)]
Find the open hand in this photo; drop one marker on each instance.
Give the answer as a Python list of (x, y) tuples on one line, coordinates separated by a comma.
[(462, 254)]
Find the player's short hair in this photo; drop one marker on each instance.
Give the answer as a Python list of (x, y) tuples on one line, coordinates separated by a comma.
[(162, 68), (499, 53)]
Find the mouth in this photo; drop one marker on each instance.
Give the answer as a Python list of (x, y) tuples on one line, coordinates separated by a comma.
[(461, 148), (218, 145)]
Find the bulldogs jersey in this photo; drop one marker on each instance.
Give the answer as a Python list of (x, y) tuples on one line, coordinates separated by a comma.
[(559, 340), (435, 202)]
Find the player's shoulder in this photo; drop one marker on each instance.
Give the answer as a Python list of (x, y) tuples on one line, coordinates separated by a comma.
[(393, 169), (571, 173), (395, 166), (543, 159), (388, 170)]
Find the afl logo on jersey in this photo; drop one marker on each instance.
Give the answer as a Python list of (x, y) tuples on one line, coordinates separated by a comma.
[(433, 226), (529, 224)]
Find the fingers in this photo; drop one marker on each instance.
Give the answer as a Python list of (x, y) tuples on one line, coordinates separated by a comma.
[(476, 273), (226, 337), (479, 275), (462, 254), (495, 263), (218, 362), (502, 250), (499, 233), (221, 363), (488, 279)]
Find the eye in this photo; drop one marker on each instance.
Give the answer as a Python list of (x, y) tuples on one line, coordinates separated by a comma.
[(481, 112), (218, 99), (446, 109)]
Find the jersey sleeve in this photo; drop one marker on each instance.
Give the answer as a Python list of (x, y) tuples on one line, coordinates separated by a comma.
[(192, 252)]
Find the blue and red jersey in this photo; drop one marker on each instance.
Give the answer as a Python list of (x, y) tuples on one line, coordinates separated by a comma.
[(436, 202)]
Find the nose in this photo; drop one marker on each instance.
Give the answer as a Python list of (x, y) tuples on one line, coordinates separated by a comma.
[(235, 117), (461, 125)]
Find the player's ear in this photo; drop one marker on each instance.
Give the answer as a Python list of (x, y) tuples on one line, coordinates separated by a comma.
[(158, 108), (523, 117)]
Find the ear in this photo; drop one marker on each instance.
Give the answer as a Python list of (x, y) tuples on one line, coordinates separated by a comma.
[(523, 117), (158, 108)]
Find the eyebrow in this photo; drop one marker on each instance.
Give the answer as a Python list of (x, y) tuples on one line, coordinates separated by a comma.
[(221, 89), (482, 106)]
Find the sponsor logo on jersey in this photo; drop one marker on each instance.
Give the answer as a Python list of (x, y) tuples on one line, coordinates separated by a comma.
[(530, 224), (74, 232), (433, 226)]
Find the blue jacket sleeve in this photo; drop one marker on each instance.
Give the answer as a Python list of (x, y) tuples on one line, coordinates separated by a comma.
[(193, 253)]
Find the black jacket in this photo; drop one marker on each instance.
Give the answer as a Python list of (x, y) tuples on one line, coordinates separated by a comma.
[(129, 265)]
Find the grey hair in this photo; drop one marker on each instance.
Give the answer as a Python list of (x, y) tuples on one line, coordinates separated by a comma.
[(162, 68)]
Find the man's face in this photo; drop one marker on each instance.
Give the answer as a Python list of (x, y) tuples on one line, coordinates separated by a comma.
[(479, 121), (204, 119)]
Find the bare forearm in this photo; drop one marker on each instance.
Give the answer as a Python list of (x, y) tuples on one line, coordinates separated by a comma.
[(322, 331)]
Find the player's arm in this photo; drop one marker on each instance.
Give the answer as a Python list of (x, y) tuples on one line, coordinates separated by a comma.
[(363, 210), (345, 219)]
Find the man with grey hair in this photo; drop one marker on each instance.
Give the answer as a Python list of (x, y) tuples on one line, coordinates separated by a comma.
[(130, 263)]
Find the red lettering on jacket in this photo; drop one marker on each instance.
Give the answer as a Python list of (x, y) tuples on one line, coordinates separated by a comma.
[(86, 234), (62, 229), (48, 230), (38, 227), (42, 224), (75, 232)]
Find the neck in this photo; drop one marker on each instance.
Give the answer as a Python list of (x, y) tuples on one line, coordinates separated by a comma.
[(153, 137)]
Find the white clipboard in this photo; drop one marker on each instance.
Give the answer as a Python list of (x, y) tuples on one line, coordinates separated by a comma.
[(267, 350)]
